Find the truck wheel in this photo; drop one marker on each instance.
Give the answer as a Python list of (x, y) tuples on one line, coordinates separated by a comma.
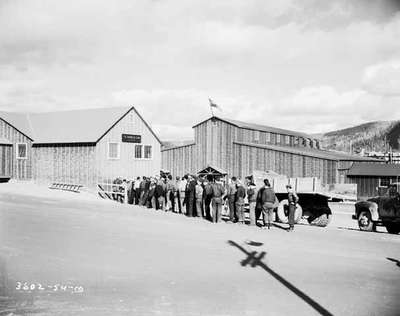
[(364, 221), (392, 228), (322, 221), (283, 212)]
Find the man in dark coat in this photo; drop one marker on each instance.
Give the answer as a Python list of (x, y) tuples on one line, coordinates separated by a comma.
[(240, 196), (160, 193), (190, 196), (231, 195), (142, 185), (267, 200), (207, 194), (292, 199), (217, 200)]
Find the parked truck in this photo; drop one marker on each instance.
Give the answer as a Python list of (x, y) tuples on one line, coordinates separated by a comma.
[(313, 200), (382, 210)]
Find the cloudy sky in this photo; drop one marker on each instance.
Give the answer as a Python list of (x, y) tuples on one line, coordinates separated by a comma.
[(308, 65)]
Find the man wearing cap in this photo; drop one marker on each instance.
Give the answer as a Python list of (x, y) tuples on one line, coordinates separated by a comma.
[(292, 199), (231, 194), (217, 200), (240, 196)]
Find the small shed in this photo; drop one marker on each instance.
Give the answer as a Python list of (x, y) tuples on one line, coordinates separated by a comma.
[(213, 172), (369, 177)]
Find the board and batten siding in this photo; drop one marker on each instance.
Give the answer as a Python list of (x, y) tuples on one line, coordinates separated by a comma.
[(126, 166), (21, 169), (180, 160), (214, 145), (65, 163), (250, 158), (5, 160)]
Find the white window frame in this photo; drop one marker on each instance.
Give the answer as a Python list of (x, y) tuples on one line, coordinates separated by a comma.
[(151, 156), (278, 138), (268, 137), (385, 186), (142, 151), (287, 139), (118, 151), (17, 151)]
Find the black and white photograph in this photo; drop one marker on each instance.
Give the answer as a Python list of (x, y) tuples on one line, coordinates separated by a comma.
[(200, 158)]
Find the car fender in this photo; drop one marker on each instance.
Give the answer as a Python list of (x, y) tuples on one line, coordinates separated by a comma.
[(371, 206)]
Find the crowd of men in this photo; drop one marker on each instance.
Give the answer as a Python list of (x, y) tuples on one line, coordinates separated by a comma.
[(205, 197)]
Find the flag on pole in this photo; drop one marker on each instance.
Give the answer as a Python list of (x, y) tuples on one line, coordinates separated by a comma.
[(212, 104)]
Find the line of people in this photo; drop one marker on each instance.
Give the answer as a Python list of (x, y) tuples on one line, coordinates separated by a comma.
[(205, 197)]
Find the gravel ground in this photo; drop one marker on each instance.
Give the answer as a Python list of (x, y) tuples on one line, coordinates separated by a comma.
[(126, 260)]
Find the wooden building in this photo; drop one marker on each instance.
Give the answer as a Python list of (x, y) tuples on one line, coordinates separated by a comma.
[(81, 147), (5, 159), (239, 148), (369, 178)]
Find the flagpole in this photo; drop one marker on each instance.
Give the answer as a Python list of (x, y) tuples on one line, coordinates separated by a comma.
[(211, 107)]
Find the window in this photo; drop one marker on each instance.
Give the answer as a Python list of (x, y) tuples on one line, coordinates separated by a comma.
[(256, 136), (113, 150), (22, 151), (268, 137), (147, 152), (287, 140), (278, 138), (138, 151), (384, 181)]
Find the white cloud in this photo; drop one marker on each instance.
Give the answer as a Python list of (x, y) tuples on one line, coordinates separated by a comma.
[(292, 64), (383, 79)]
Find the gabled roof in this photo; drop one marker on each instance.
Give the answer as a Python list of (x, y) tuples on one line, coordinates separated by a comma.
[(310, 152), (19, 121), (212, 170), (376, 170), (257, 127), (76, 126), (175, 145), (4, 141)]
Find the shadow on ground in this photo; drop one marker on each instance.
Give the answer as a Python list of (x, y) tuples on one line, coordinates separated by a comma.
[(254, 259), (395, 261)]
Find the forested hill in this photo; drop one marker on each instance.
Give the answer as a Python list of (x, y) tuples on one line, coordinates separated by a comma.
[(372, 136)]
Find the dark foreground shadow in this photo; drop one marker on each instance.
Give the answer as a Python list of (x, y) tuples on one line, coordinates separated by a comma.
[(254, 259), (397, 262), (279, 226)]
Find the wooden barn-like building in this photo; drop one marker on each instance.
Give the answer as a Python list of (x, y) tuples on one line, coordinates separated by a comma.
[(83, 147), (369, 178), (239, 148)]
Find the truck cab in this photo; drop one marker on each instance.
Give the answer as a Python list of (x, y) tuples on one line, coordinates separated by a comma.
[(382, 210)]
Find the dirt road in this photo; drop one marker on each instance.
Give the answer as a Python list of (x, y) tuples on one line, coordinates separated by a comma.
[(134, 261)]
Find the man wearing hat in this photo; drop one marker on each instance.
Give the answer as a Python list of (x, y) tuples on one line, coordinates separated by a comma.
[(292, 199)]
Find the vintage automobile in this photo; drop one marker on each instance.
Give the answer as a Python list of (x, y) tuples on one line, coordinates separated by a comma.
[(383, 210)]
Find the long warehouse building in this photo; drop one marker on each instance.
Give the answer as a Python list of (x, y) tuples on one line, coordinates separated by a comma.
[(239, 148)]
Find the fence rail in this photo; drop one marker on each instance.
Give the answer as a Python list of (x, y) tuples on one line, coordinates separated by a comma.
[(104, 191)]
